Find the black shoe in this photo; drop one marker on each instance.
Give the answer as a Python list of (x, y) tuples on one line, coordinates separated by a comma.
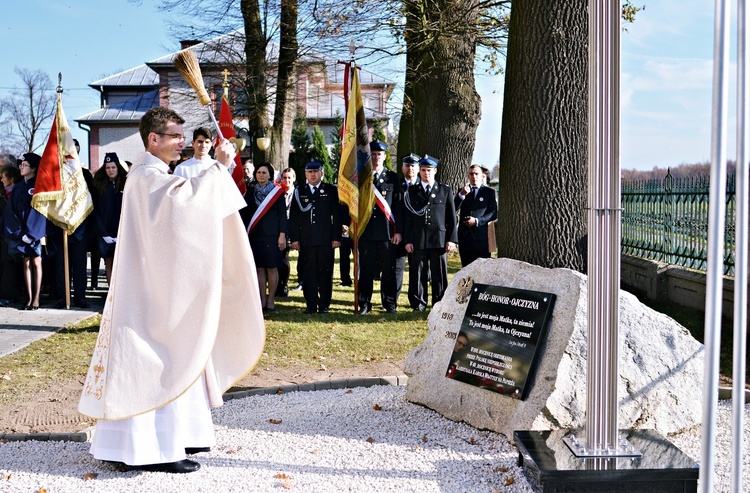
[(308, 311), (282, 292), (390, 310), (4, 303), (346, 283), (366, 307), (418, 309), (323, 309), (83, 304), (181, 466), (196, 450)]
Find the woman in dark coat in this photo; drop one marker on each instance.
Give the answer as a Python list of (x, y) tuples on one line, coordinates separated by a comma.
[(109, 182), (268, 235), (10, 268), (24, 228)]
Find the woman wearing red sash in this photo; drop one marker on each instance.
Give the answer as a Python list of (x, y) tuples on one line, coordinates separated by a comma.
[(267, 231)]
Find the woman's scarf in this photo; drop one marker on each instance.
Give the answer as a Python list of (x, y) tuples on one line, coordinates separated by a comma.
[(260, 193)]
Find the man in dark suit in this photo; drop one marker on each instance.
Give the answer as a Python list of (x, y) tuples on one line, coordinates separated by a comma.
[(377, 243), (477, 208), (430, 233), (315, 230)]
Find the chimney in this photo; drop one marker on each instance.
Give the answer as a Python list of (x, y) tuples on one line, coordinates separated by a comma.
[(187, 43)]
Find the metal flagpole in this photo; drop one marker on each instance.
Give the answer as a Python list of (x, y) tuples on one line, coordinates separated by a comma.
[(603, 225), (604, 215), (715, 265), (741, 244)]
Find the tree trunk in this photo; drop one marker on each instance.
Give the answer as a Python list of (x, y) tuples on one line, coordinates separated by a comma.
[(442, 108), (255, 69), (284, 110), (543, 161)]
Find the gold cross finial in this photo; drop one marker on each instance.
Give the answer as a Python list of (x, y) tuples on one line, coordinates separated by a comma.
[(226, 82)]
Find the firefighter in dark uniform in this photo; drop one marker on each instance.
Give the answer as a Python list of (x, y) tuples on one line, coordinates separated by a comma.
[(430, 232), (377, 243), (315, 230), (410, 169)]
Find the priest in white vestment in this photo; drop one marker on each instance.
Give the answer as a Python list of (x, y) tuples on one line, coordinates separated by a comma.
[(182, 321)]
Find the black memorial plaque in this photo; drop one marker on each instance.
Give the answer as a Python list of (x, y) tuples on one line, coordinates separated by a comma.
[(497, 346)]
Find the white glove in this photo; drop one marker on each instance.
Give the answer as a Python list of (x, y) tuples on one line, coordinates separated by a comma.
[(27, 240), (108, 240)]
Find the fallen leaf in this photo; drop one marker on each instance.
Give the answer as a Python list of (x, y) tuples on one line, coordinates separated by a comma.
[(7, 477), (274, 421), (424, 438), (316, 452), (90, 475), (472, 441), (54, 400), (370, 440), (280, 391), (41, 490), (233, 450), (287, 484), (373, 358), (377, 407), (281, 475), (509, 481), (349, 391), (500, 469)]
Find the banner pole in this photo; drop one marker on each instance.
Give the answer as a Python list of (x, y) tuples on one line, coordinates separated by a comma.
[(67, 270), (355, 266)]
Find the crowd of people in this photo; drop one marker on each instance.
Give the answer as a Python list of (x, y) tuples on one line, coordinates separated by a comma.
[(414, 219), (31, 247)]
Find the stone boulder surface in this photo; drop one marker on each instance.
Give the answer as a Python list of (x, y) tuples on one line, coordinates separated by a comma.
[(660, 363)]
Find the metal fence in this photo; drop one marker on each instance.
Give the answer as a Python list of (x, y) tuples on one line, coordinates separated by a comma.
[(667, 221)]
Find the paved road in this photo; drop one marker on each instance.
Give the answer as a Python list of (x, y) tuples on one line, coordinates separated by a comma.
[(19, 328)]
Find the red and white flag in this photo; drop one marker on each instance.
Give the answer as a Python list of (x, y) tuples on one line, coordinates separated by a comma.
[(60, 191), (226, 124)]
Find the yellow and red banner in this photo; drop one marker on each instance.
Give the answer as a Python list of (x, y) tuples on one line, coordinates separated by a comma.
[(355, 169), (226, 124), (60, 191)]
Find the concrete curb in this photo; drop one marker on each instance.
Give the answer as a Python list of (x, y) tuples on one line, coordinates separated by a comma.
[(344, 383)]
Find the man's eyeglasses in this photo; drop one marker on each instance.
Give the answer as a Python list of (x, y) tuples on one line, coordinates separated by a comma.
[(22, 165), (174, 136)]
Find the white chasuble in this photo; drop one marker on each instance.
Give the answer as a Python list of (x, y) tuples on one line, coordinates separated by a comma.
[(183, 298)]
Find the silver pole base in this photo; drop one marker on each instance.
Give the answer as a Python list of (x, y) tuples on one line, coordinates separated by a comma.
[(623, 449)]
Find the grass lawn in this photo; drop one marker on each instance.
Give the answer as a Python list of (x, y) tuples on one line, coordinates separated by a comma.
[(338, 339)]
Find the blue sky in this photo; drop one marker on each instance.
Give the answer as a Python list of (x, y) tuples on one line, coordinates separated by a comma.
[(666, 69)]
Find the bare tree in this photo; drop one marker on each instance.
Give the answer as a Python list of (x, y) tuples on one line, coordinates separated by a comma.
[(262, 65), (27, 109)]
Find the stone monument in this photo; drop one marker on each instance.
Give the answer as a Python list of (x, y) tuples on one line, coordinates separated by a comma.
[(660, 363)]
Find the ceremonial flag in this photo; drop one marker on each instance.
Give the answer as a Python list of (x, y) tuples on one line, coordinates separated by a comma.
[(60, 191), (355, 169), (226, 124)]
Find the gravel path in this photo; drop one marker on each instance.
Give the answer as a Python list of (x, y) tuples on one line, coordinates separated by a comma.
[(360, 440)]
